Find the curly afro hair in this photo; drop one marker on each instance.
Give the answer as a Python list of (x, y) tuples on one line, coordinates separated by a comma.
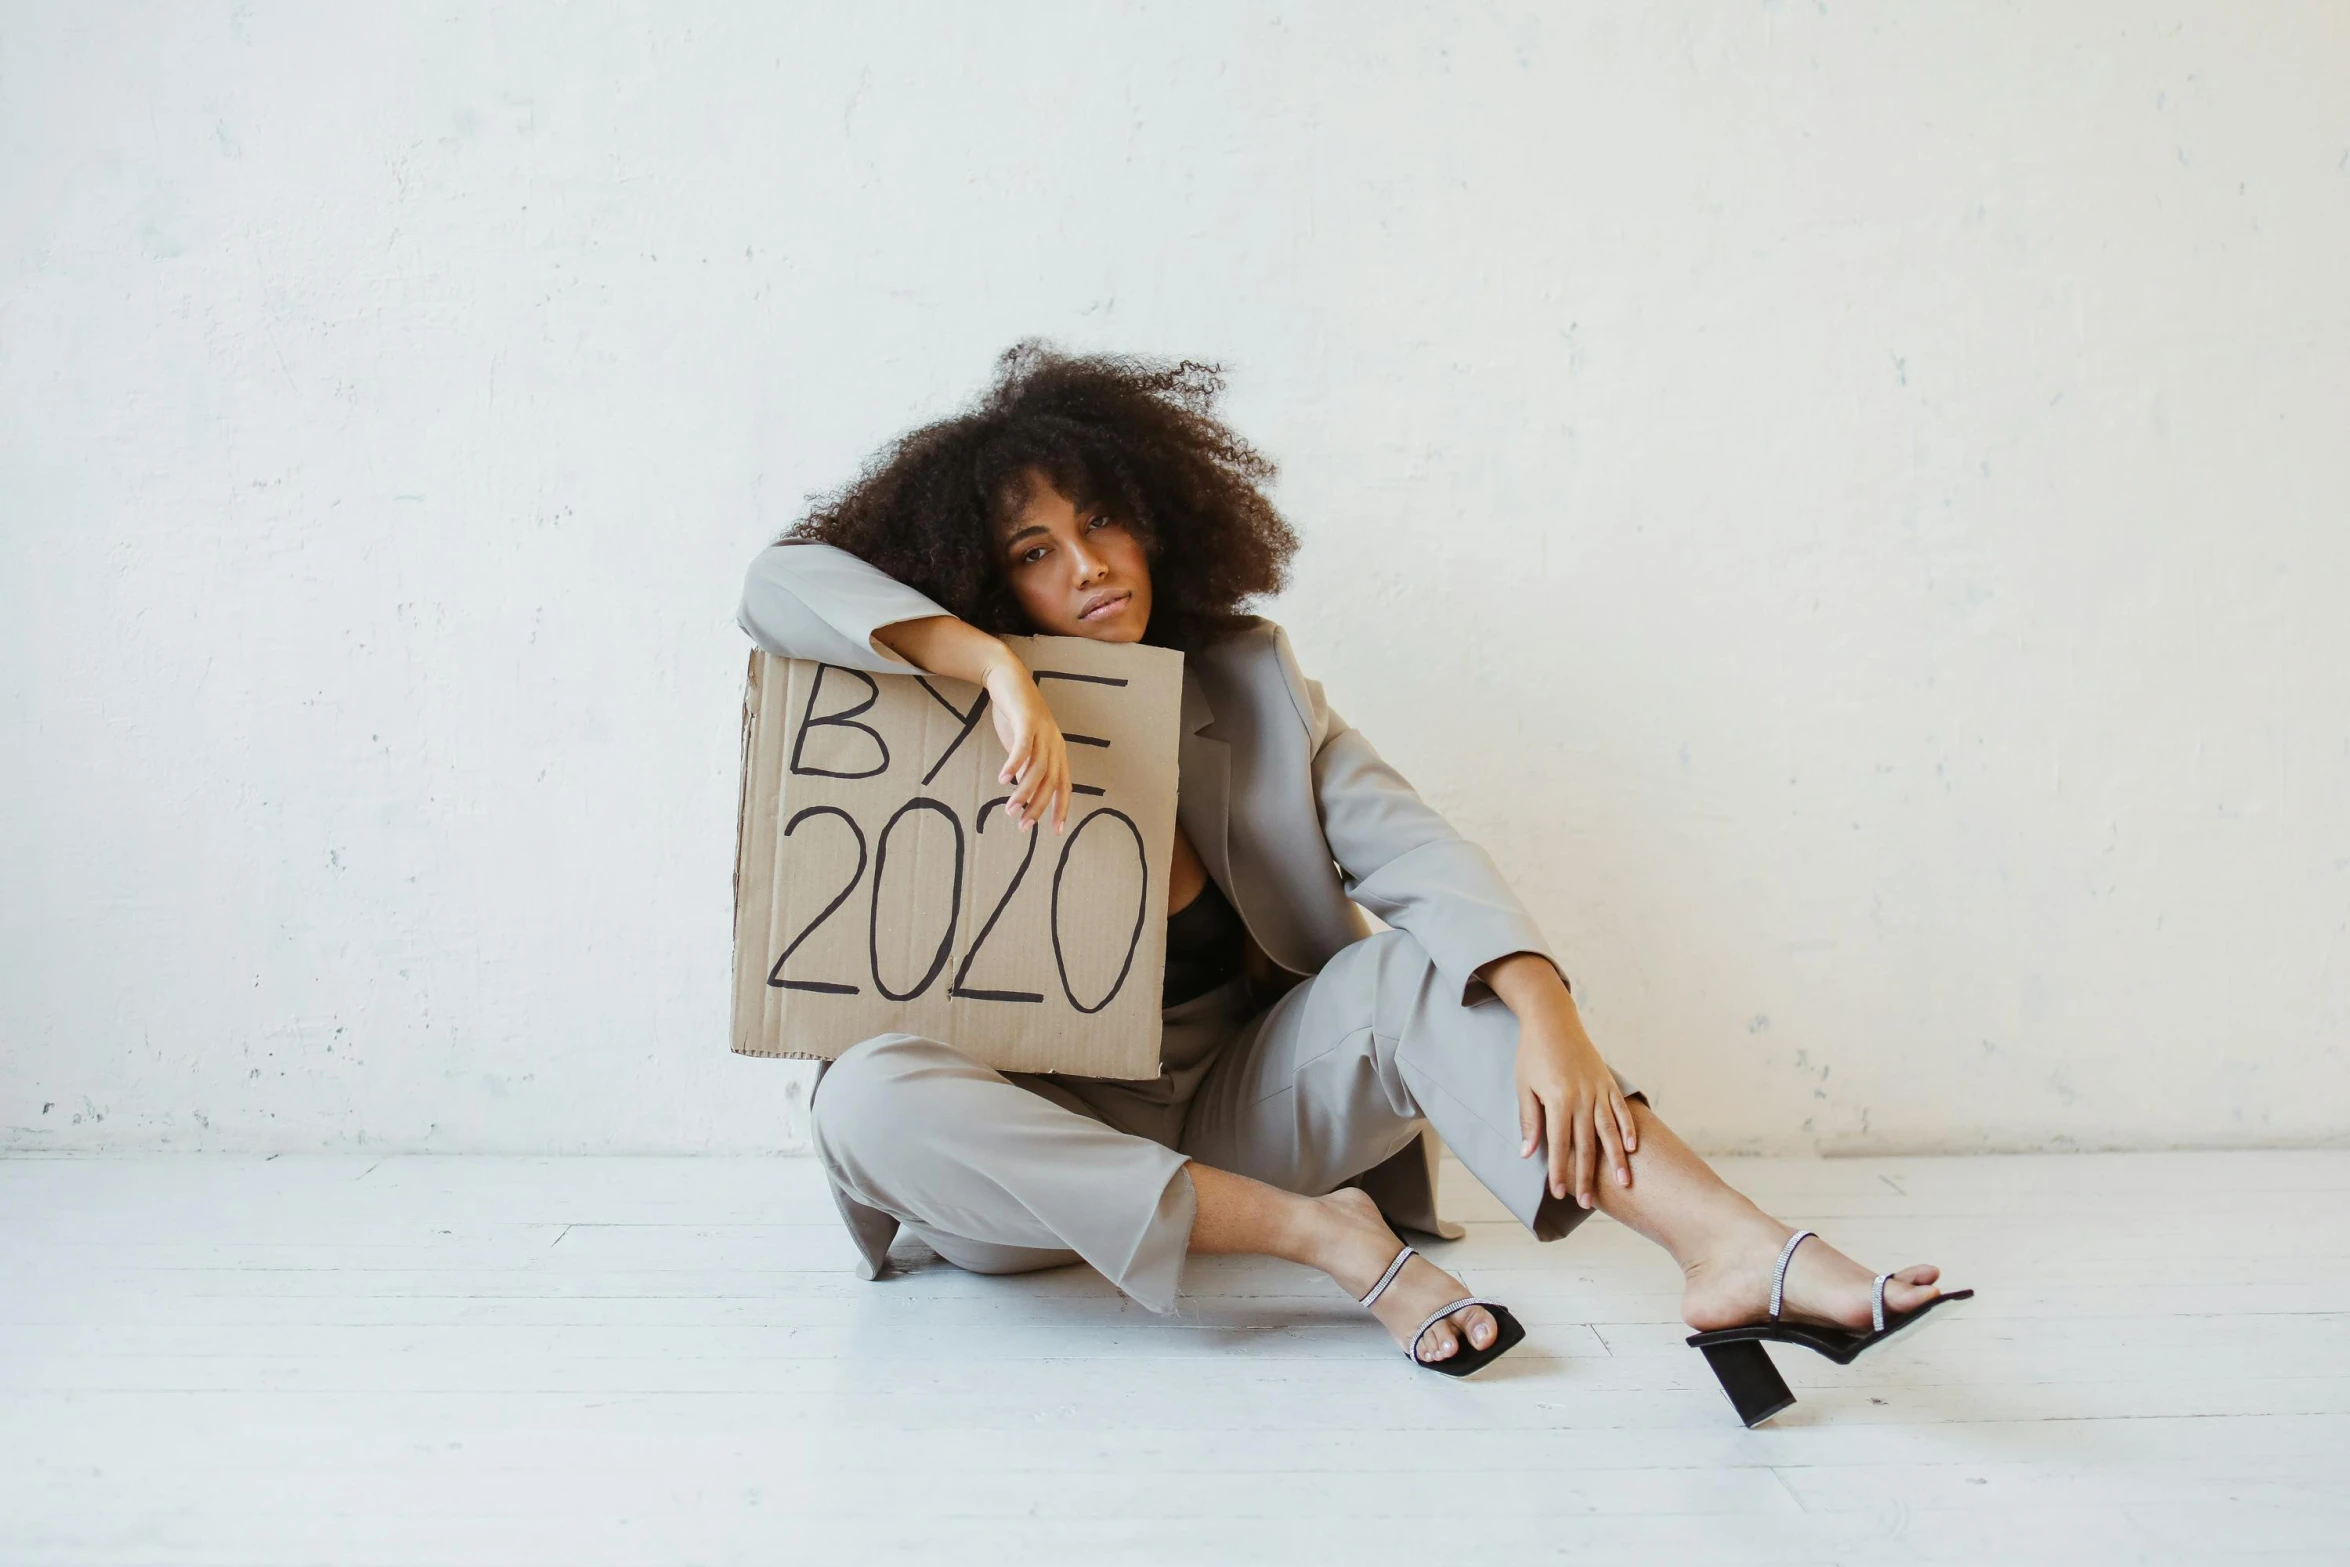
[(1131, 436)]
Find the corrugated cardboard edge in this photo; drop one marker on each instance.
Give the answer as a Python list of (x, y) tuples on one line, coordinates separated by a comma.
[(740, 1028)]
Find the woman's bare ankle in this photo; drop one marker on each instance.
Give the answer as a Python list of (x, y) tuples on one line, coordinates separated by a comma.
[(1235, 1214), (1338, 1230)]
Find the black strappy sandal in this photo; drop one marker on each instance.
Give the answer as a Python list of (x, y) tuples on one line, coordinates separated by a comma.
[(1467, 1358), (1744, 1368)]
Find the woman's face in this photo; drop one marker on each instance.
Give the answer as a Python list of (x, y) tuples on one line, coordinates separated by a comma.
[(1062, 562)]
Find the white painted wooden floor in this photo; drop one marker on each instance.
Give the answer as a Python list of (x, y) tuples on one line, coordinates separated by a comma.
[(309, 1359)]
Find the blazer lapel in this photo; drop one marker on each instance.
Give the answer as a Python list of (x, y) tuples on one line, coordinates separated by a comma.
[(1203, 791)]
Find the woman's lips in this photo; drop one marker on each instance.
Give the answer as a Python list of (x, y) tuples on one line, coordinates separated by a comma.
[(1109, 609)]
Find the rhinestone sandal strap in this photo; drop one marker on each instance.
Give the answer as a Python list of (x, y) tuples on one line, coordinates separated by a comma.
[(1412, 1350), (1388, 1277), (1877, 1304), (1779, 1276)]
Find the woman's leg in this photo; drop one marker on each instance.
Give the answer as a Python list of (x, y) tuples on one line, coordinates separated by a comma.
[(1338, 1074), (1312, 1094), (1005, 1176), (1727, 1247)]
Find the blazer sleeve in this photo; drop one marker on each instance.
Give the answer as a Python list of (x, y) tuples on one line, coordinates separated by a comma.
[(1405, 863), (803, 599)]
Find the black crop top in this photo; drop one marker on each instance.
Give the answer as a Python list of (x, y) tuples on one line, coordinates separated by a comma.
[(1205, 945)]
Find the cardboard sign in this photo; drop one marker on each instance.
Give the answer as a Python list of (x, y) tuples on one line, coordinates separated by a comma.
[(879, 886)]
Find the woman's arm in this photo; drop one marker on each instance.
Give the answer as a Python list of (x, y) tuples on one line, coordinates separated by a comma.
[(1398, 857), (817, 601), (1405, 863), (948, 645)]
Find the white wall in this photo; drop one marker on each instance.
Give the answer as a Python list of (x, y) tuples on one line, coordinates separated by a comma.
[(1882, 466)]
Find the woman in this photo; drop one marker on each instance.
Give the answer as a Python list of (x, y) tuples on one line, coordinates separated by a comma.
[(1099, 497)]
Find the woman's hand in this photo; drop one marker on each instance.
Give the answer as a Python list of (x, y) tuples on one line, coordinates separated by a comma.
[(1567, 1097), (1036, 759)]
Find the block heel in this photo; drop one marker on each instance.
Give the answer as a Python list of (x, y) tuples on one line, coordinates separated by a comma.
[(1755, 1388)]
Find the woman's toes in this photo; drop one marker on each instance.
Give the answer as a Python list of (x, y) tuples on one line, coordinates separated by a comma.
[(1912, 1287), (1474, 1326)]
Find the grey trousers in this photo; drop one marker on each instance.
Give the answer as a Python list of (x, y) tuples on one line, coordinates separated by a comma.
[(1331, 1084)]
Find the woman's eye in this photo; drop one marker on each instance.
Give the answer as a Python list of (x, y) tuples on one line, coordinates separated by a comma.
[(1102, 519), (1029, 558)]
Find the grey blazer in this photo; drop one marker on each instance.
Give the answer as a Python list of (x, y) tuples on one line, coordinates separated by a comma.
[(1298, 819)]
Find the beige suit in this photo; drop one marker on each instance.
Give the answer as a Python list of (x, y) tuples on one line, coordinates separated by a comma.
[(1321, 1068)]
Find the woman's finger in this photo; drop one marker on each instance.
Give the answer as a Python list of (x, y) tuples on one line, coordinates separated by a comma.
[(1611, 1141), (1036, 790), (1586, 1154), (1625, 1124), (1529, 1121), (1562, 1143)]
